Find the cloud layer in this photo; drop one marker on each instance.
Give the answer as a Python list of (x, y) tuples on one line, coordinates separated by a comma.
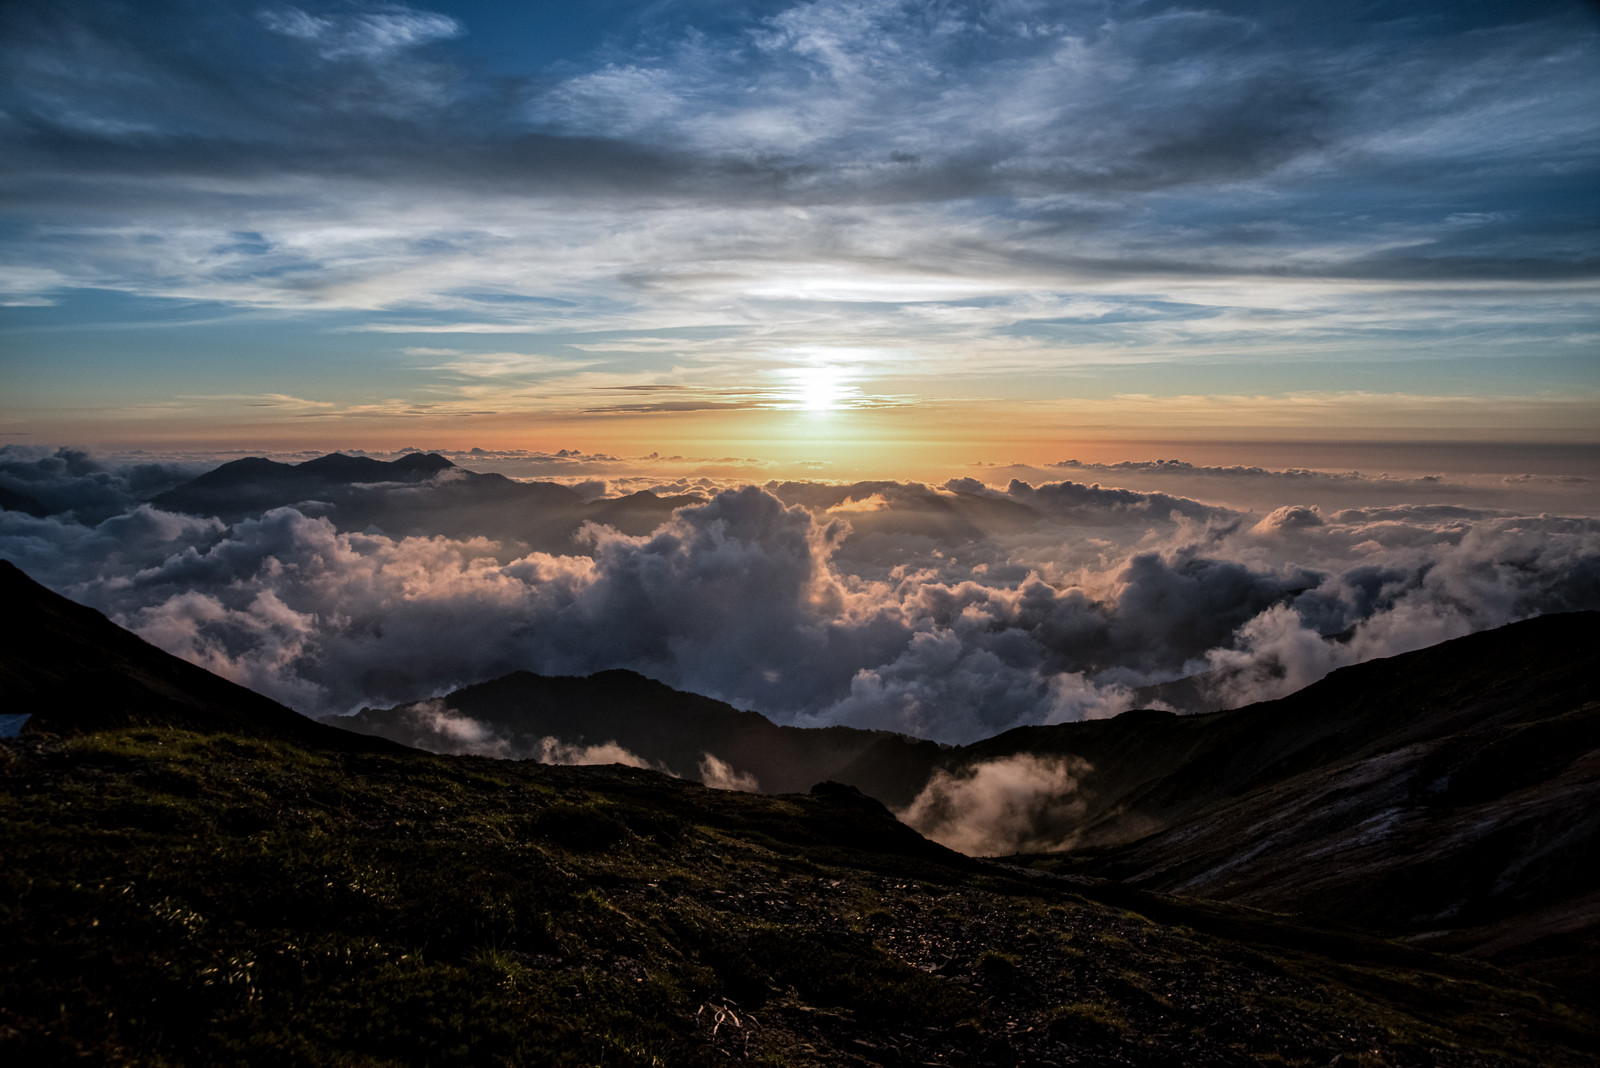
[(952, 613)]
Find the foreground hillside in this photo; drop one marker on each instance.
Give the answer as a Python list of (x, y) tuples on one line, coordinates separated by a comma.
[(1449, 796), (180, 897)]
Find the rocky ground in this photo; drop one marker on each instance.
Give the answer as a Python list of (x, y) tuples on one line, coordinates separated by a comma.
[(1050, 976), (179, 898)]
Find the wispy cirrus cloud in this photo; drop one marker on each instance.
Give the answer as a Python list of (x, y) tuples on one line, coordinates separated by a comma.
[(367, 35)]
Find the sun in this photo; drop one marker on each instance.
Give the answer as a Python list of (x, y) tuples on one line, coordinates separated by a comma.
[(819, 389)]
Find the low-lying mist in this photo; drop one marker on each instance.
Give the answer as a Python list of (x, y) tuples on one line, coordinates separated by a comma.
[(435, 726), (1017, 804), (951, 612)]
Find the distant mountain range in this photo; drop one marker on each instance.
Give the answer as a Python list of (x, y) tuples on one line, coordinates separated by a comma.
[(418, 494), (425, 493)]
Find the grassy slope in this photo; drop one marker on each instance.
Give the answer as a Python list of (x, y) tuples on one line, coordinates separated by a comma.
[(173, 897)]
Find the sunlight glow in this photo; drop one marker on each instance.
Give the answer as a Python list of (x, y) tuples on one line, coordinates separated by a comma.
[(819, 389)]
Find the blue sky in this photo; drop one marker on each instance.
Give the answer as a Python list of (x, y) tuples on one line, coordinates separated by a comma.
[(652, 224)]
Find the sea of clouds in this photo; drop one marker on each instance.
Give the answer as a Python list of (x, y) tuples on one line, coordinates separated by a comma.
[(951, 612)]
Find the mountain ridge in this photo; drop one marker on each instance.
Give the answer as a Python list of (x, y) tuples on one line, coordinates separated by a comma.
[(75, 671), (1492, 730), (419, 494), (206, 888), (666, 727)]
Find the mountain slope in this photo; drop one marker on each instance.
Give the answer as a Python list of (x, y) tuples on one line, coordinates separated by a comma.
[(1448, 795), (667, 728), (72, 670), (184, 899), (1152, 770)]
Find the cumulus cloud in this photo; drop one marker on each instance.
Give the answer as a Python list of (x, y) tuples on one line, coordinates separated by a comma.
[(435, 726), (952, 613), (81, 558), (1019, 804), (874, 502), (1290, 517)]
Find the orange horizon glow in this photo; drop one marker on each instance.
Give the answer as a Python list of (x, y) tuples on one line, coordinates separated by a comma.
[(834, 445), (820, 431)]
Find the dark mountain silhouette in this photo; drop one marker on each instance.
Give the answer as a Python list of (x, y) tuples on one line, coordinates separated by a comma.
[(637, 513), (1151, 769), (667, 727), (255, 484), (338, 467), (1154, 770), (420, 494), (72, 670), (1446, 794)]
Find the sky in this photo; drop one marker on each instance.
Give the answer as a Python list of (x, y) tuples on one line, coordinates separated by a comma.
[(844, 238)]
